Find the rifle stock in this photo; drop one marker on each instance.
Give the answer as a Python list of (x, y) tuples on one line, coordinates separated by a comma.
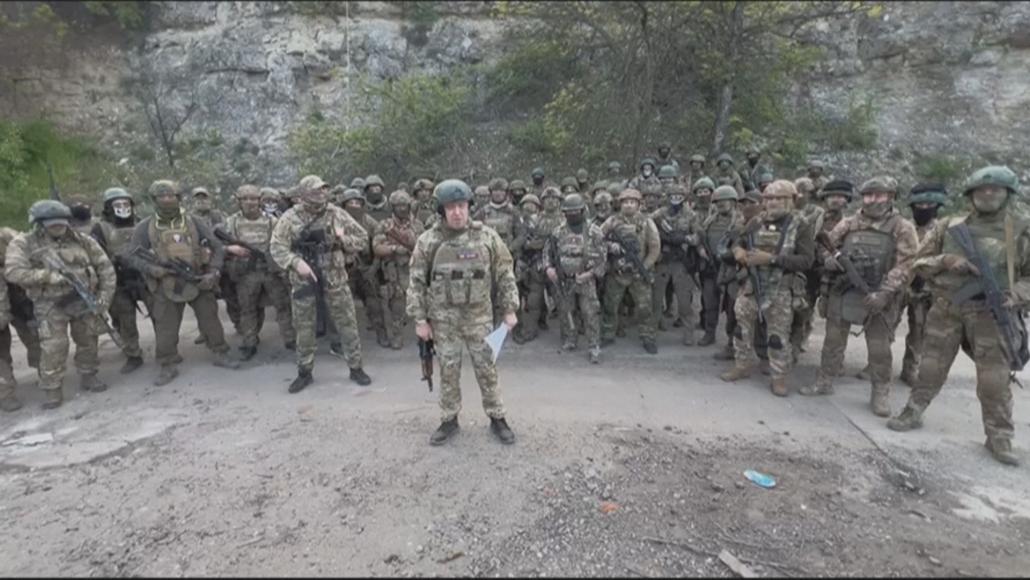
[(426, 352)]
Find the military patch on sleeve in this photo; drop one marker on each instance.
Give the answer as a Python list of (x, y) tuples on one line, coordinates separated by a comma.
[(468, 255)]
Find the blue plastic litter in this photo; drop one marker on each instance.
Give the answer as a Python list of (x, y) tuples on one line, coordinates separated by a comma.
[(760, 479)]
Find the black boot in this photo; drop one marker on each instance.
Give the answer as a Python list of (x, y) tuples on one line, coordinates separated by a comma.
[(650, 347), (358, 376), (708, 338), (247, 352), (303, 379), (444, 432), (501, 429), (291, 345), (131, 364)]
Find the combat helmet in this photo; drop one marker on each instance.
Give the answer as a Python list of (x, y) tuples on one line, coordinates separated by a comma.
[(647, 161), (697, 158), (603, 196), (530, 198), (780, 188), (358, 183), (724, 157), (668, 171), (582, 175), (46, 210), (703, 183), (630, 193), (598, 186), (570, 182), (114, 193), (675, 189), (374, 180), (537, 172), (724, 192), (573, 202), (423, 183), (614, 166), (928, 193), (452, 190), (268, 192), (351, 193), (881, 183), (998, 175), (515, 185), (162, 187), (550, 191), (498, 184), (400, 197), (838, 187)]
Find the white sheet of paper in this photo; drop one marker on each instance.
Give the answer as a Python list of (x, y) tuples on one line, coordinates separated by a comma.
[(496, 339)]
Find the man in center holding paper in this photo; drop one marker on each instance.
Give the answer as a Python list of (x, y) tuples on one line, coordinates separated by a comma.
[(454, 266)]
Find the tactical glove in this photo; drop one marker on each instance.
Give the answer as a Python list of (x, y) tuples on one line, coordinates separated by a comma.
[(877, 302), (759, 258)]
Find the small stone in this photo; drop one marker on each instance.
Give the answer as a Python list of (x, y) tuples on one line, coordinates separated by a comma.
[(934, 561)]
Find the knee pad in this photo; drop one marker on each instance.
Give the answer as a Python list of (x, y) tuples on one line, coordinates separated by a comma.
[(774, 342)]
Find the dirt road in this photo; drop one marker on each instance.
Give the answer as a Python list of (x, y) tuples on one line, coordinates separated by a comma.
[(634, 467)]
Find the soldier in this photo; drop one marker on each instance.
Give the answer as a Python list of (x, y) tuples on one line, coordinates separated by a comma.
[(582, 180), (602, 206), (726, 174), (393, 243), (591, 193), (311, 242), (834, 197), (678, 229), (9, 402), (881, 244), (82, 220), (574, 258), (715, 226), (172, 234), (271, 204), (1002, 241), (614, 171), (765, 177), (635, 247), (569, 185), (22, 318), (696, 169), (453, 269), (816, 170), (812, 213), (537, 175), (376, 204), (667, 175), (113, 234), (536, 230), (731, 275), (702, 194), (58, 307), (776, 247), (665, 156), (751, 169), (516, 189), (363, 272), (652, 193), (925, 200), (203, 210), (647, 176), (253, 275), (481, 196), (499, 213), (358, 183), (425, 205)]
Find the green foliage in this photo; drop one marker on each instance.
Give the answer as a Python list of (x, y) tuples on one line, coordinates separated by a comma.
[(128, 14), (943, 168), (25, 150), (409, 125), (530, 76)]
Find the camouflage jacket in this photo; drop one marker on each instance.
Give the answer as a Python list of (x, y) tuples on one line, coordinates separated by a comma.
[(906, 243), (389, 235), (346, 236), (453, 274), (573, 253), (674, 229), (646, 233), (80, 253)]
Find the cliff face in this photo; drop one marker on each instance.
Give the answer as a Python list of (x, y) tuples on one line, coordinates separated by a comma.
[(945, 79)]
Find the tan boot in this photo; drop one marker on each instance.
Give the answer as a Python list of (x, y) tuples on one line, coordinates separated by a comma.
[(822, 386), (880, 400), (92, 384), (737, 373), (779, 387), (1001, 450), (52, 398), (908, 419)]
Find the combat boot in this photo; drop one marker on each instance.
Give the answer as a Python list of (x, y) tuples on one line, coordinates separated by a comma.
[(737, 373), (726, 353), (225, 361), (708, 338), (1001, 450), (92, 384), (336, 349), (908, 419), (662, 324), (247, 352), (444, 432), (677, 323), (779, 387), (502, 431), (688, 338), (303, 379), (167, 375), (381, 338), (822, 386), (132, 363), (863, 375), (568, 346), (880, 400), (396, 343), (52, 398), (200, 339), (908, 376), (290, 345), (650, 347), (358, 376), (595, 355), (10, 404)]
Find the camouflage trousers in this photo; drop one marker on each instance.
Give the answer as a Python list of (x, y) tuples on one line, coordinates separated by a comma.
[(801, 329), (124, 320), (28, 334), (916, 311), (581, 298), (395, 303), (364, 286), (675, 273), (878, 331), (449, 336), (947, 327), (536, 285), (54, 328), (616, 287), (227, 292), (167, 317), (249, 290), (779, 316), (716, 299), (340, 306), (7, 381)]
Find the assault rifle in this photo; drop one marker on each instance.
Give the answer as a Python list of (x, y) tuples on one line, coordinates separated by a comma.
[(631, 249), (313, 246), (855, 277), (53, 262), (426, 352), (563, 291), (1011, 327), (756, 280), (255, 253), (182, 270)]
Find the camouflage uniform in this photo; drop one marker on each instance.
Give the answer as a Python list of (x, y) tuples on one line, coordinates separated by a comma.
[(918, 299), (452, 273), (726, 174), (1003, 241), (22, 319), (379, 210), (716, 297), (640, 182), (573, 250), (393, 242), (425, 205), (530, 269), (624, 277), (287, 234), (226, 291), (787, 243), (255, 278), (695, 170), (813, 215), (678, 229), (882, 248), (815, 173), (58, 309)]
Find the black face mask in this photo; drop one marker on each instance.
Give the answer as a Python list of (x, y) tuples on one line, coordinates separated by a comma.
[(81, 213), (575, 218), (923, 216)]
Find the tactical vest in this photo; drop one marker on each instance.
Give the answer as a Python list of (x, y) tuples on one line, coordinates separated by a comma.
[(989, 239), (255, 232), (872, 251), (71, 249), (116, 239), (501, 220), (572, 250), (624, 228), (716, 227), (777, 238), (179, 239), (460, 273)]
